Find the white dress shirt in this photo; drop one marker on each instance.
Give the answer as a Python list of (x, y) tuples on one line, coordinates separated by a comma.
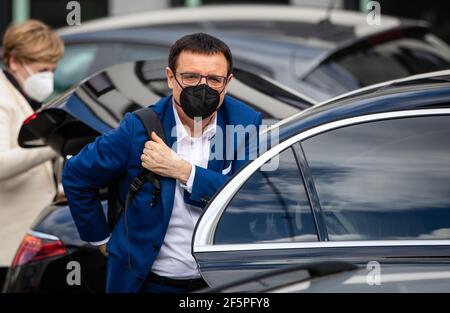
[(175, 259)]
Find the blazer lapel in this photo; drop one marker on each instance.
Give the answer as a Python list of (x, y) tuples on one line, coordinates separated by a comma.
[(216, 164)]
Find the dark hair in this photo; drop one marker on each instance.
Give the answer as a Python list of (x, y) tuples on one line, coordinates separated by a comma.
[(200, 43)]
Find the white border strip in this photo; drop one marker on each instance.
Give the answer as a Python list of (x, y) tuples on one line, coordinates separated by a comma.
[(320, 244)]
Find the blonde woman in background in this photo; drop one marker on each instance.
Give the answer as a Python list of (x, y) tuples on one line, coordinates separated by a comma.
[(31, 51)]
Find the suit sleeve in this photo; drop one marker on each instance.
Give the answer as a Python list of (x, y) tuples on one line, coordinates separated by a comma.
[(208, 182), (91, 170)]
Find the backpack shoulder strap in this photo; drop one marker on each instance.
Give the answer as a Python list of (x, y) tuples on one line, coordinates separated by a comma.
[(151, 122)]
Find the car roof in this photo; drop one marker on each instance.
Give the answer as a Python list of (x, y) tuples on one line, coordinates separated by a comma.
[(415, 92), (206, 14), (167, 36)]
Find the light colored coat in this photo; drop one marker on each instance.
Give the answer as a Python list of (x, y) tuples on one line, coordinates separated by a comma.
[(26, 175)]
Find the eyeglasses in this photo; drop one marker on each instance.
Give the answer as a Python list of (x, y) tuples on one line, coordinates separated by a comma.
[(193, 79)]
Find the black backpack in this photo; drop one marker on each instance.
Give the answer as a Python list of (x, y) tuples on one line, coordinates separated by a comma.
[(152, 123)]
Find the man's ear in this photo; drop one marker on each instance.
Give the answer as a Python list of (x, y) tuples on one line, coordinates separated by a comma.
[(169, 75), (230, 78)]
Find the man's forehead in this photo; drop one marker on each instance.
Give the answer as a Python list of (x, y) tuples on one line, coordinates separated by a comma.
[(202, 63)]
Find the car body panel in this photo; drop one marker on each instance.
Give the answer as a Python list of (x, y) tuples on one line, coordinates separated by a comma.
[(220, 267), (342, 277)]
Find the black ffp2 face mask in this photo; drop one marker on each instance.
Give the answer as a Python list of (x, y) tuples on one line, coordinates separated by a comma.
[(199, 101)]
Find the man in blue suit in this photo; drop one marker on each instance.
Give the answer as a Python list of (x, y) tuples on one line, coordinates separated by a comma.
[(156, 254)]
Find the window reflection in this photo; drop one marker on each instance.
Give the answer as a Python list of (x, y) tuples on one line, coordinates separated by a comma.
[(384, 180), (272, 206), (123, 88), (407, 55)]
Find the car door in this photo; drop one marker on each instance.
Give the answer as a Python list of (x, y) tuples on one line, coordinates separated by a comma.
[(378, 188), (271, 209)]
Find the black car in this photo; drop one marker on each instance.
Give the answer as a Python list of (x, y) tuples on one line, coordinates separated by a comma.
[(364, 177), (77, 118)]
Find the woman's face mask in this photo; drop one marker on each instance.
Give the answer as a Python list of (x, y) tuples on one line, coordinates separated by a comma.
[(38, 86)]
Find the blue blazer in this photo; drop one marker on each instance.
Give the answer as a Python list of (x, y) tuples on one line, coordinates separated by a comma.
[(115, 156)]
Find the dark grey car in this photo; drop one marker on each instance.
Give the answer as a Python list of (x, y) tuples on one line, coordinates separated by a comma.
[(298, 47)]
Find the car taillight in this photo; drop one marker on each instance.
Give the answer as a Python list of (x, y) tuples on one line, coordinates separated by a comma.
[(37, 246), (30, 118)]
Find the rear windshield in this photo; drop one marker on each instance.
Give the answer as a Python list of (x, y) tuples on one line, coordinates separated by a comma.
[(375, 62)]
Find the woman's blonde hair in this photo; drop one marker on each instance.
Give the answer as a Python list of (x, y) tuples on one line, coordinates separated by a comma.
[(32, 41)]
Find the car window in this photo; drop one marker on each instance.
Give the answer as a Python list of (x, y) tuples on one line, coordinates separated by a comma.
[(384, 61), (384, 180), (74, 66), (272, 206)]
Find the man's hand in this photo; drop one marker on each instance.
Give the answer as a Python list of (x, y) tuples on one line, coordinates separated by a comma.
[(160, 159), (102, 249)]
